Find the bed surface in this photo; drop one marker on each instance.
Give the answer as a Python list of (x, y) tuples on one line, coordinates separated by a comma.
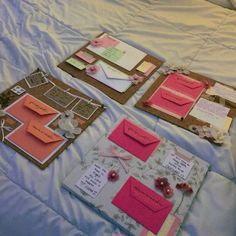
[(38, 33)]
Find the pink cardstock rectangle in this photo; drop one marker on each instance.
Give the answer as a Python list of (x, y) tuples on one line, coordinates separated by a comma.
[(143, 204), (184, 84), (171, 103), (134, 139)]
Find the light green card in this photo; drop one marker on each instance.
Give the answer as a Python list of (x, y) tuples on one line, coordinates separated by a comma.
[(112, 54), (76, 63)]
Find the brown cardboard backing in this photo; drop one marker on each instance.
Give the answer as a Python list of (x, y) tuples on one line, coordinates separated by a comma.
[(110, 92), (189, 120), (38, 93)]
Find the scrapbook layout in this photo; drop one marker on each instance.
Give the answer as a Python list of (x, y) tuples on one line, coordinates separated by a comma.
[(192, 101), (112, 66), (41, 116), (137, 180)]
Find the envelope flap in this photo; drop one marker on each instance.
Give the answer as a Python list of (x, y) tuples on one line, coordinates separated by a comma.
[(188, 82), (113, 73), (139, 134), (172, 97), (44, 134), (38, 107), (147, 196)]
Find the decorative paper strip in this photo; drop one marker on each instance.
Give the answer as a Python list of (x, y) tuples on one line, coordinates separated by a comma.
[(131, 201), (37, 124), (115, 56)]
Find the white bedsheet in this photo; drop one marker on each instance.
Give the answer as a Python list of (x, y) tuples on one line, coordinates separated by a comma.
[(39, 33)]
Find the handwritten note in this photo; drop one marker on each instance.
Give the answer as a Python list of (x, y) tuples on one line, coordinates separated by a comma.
[(85, 109), (210, 112), (177, 164), (223, 91), (112, 54), (59, 96), (93, 180)]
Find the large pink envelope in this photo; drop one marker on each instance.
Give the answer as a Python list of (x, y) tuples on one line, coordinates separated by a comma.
[(143, 204), (134, 139), (171, 103), (184, 84)]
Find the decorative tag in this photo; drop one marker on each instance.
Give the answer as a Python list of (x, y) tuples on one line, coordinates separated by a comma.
[(60, 96), (76, 63), (36, 79), (93, 180), (85, 109)]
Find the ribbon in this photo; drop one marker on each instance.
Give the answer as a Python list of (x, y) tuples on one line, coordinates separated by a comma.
[(113, 153), (2, 127)]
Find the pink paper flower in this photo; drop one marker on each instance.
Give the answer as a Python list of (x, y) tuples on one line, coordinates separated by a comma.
[(136, 79), (113, 175), (167, 191), (161, 183), (96, 42), (92, 69)]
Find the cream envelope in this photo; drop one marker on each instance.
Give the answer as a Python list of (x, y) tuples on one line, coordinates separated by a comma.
[(112, 77)]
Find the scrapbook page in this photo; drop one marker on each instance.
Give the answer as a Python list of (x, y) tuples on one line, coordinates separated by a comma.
[(112, 66), (41, 116), (192, 101), (139, 181)]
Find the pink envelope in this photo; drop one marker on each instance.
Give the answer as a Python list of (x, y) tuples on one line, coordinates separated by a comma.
[(171, 103), (143, 204), (134, 139), (184, 84)]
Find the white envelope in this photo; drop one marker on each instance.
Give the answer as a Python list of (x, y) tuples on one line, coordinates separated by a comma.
[(112, 77)]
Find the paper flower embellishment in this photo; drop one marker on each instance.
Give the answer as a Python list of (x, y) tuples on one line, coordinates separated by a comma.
[(136, 79), (186, 189), (210, 133), (96, 42), (92, 69), (162, 184), (113, 175), (168, 69), (68, 126)]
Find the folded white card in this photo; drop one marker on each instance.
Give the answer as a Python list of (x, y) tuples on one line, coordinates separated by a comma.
[(111, 77)]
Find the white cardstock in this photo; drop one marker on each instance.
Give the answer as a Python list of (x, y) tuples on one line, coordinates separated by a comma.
[(177, 164), (93, 180)]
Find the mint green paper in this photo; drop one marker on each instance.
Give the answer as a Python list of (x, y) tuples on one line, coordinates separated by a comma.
[(112, 54), (76, 63)]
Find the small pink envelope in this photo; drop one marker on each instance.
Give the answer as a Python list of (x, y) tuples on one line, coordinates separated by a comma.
[(171, 103), (134, 139), (143, 204), (184, 84)]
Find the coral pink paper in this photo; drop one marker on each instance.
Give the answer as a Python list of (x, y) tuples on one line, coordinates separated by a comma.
[(171, 103), (25, 140), (184, 84), (143, 204), (134, 139)]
